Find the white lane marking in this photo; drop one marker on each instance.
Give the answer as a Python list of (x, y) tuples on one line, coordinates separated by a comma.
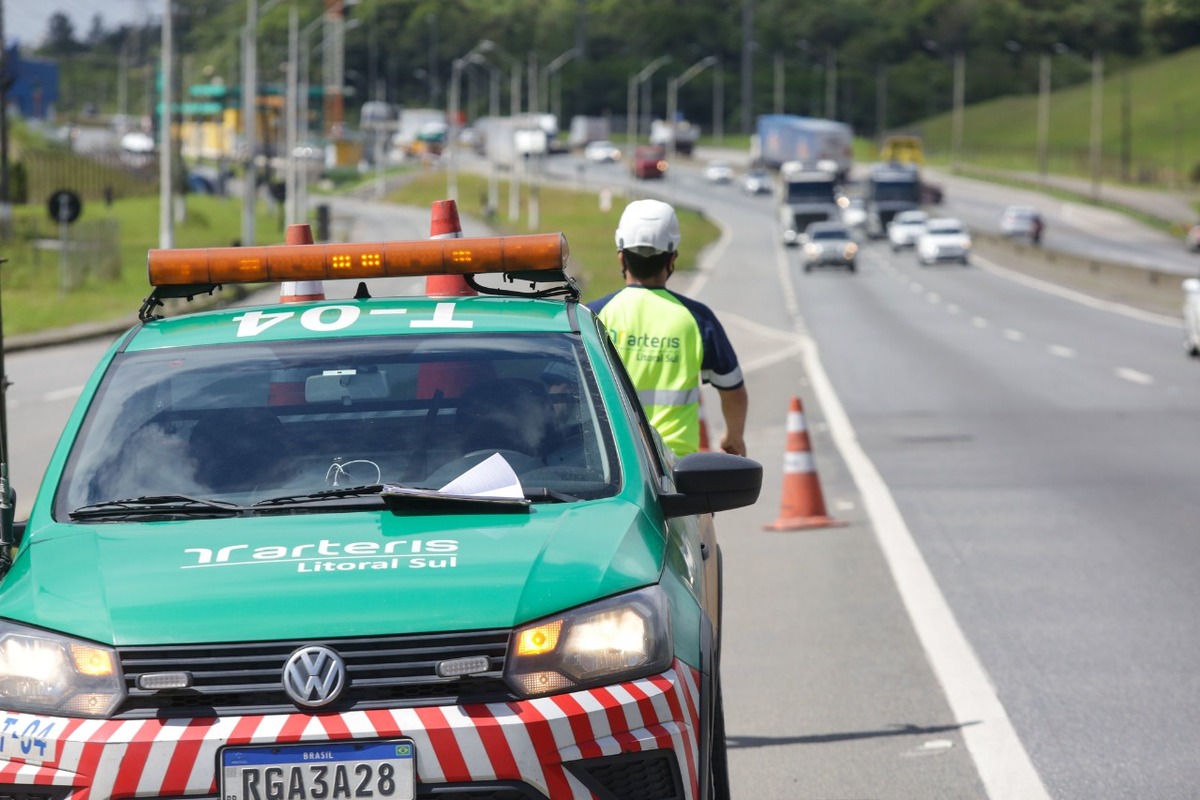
[(1003, 765), (711, 259), (782, 354), (1061, 351), (934, 297), (1133, 376), (70, 393), (1078, 297), (1012, 335), (979, 322), (952, 308)]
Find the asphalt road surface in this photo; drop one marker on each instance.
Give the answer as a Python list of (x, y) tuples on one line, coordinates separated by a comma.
[(1007, 609)]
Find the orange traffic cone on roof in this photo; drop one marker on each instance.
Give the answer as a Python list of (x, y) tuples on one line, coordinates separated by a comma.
[(300, 291), (444, 224), (448, 379), (803, 505)]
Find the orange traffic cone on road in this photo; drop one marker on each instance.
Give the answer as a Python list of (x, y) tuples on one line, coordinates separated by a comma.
[(803, 505), (300, 291)]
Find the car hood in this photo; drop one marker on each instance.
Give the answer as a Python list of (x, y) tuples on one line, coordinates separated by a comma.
[(338, 574)]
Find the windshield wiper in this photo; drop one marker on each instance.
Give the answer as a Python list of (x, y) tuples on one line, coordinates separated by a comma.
[(544, 494), (365, 490), (407, 498), (156, 505)]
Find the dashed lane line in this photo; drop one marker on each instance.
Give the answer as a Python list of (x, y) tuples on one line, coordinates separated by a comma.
[(1133, 376)]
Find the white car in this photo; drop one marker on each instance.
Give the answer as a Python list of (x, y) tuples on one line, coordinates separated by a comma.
[(602, 152), (944, 239), (718, 172), (854, 211), (756, 181), (1191, 317), (905, 227), (138, 142)]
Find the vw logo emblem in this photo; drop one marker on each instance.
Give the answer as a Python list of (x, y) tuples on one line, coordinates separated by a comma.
[(314, 676)]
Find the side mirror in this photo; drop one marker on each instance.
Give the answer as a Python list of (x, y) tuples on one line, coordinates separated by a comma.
[(709, 482)]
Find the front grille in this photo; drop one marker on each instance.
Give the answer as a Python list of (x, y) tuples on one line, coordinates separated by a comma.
[(652, 775), (504, 790), (245, 678), (10, 791)]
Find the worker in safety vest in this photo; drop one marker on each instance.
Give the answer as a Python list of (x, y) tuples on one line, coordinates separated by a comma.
[(669, 343)]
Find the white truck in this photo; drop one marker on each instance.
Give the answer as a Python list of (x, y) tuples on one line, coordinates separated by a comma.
[(585, 130), (683, 132), (805, 196)]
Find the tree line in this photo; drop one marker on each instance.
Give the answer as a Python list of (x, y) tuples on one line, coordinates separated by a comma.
[(811, 57)]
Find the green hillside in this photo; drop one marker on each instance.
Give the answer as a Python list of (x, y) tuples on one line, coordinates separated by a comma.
[(1150, 127)]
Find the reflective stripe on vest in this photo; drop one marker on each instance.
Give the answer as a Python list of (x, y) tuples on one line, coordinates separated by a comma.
[(669, 397)]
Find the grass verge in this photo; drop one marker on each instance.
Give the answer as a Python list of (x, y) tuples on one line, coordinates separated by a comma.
[(32, 282)]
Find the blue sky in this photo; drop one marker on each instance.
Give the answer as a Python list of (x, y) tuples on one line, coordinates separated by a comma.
[(27, 20)]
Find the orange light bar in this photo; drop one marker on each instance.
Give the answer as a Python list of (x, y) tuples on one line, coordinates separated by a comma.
[(310, 262)]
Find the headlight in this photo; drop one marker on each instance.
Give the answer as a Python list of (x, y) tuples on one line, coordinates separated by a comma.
[(850, 250), (618, 639), (812, 250), (43, 673)]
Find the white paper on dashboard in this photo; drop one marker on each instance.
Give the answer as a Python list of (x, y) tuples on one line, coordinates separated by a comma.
[(492, 477)]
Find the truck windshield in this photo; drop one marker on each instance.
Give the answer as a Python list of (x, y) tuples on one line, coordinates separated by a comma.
[(241, 422), (810, 192), (896, 190)]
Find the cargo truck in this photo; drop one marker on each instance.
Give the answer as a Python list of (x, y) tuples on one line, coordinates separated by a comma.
[(815, 143), (890, 189)]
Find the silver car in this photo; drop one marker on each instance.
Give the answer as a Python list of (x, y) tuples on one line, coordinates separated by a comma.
[(829, 244)]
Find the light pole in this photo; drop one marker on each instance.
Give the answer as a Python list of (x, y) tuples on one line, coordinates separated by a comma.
[(166, 220), (960, 84), (514, 191), (959, 62), (453, 129), (303, 90), (632, 103), (1097, 120), (673, 85), (548, 73), (1043, 120), (249, 115)]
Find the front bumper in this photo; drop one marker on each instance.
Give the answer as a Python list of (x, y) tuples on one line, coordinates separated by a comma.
[(552, 747)]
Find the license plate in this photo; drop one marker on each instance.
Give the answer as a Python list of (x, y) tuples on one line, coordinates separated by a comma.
[(327, 771)]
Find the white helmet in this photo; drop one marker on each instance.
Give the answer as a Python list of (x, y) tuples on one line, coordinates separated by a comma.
[(648, 227)]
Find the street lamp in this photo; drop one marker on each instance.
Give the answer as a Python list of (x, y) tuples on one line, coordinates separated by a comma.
[(452, 133), (960, 82), (1043, 118), (1097, 120), (300, 209), (673, 85), (548, 73), (514, 191), (632, 104)]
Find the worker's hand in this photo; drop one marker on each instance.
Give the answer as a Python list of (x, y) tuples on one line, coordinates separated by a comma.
[(730, 444)]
